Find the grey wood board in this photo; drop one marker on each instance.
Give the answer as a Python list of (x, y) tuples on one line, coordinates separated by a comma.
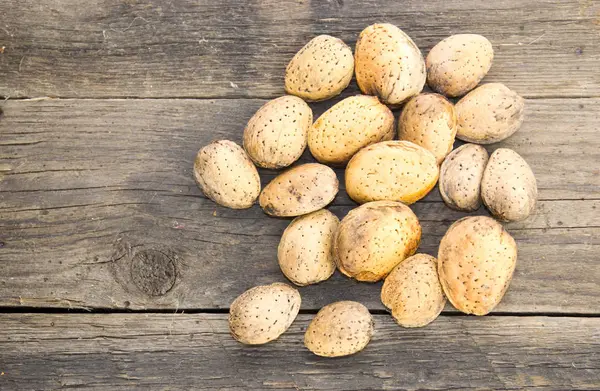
[(89, 185), (191, 48), (181, 351)]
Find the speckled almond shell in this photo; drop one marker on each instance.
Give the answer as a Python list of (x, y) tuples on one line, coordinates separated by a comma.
[(275, 136), (412, 291), (263, 313), (429, 120), (476, 261), (460, 177), (226, 175), (339, 329), (375, 237), (458, 63), (508, 187), (388, 64), (489, 114), (299, 190), (320, 70), (305, 252), (348, 126), (391, 170)]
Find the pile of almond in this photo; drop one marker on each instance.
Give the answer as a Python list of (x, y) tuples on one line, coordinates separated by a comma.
[(379, 239)]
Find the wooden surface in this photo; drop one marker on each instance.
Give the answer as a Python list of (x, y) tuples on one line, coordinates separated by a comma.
[(151, 351), (228, 48), (97, 179), (90, 183)]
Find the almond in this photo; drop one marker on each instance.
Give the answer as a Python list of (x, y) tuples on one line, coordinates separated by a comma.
[(226, 175), (263, 313), (391, 170), (388, 64), (299, 190), (488, 114), (339, 329), (429, 120), (275, 136), (305, 252), (476, 261), (508, 186), (412, 291), (460, 177), (320, 70), (458, 63), (375, 237), (348, 126)]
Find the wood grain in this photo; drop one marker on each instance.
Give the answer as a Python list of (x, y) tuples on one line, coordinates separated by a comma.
[(203, 48), (180, 352), (89, 185)]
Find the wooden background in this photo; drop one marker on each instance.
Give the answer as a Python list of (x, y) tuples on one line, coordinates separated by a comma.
[(105, 105)]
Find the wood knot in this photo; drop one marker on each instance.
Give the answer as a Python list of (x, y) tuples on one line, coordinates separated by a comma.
[(153, 272)]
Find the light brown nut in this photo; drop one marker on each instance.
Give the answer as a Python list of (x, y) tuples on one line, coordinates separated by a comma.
[(299, 190), (305, 252), (373, 238), (412, 291), (320, 70), (391, 170), (348, 126), (339, 329), (508, 186), (275, 136), (488, 114), (226, 175), (429, 120), (460, 177), (458, 63), (263, 313), (388, 64), (476, 261)]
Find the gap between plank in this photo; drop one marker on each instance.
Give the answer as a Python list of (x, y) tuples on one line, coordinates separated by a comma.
[(233, 97), (192, 311)]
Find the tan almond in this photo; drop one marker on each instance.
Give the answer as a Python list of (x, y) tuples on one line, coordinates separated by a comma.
[(348, 126), (276, 135), (458, 63), (508, 186), (412, 291), (299, 190), (489, 114), (476, 261), (339, 329), (226, 175), (391, 170), (321, 70), (460, 177), (305, 252), (429, 120), (388, 64), (263, 313), (375, 237)]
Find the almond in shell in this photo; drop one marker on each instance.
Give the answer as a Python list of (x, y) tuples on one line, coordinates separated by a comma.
[(226, 175), (476, 261), (348, 126), (263, 313), (339, 329), (299, 190), (275, 136), (320, 70)]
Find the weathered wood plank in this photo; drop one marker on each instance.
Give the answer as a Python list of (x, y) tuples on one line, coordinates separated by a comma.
[(88, 184), (191, 48), (176, 351)]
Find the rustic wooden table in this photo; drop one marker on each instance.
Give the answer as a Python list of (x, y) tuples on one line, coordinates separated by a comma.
[(107, 102)]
